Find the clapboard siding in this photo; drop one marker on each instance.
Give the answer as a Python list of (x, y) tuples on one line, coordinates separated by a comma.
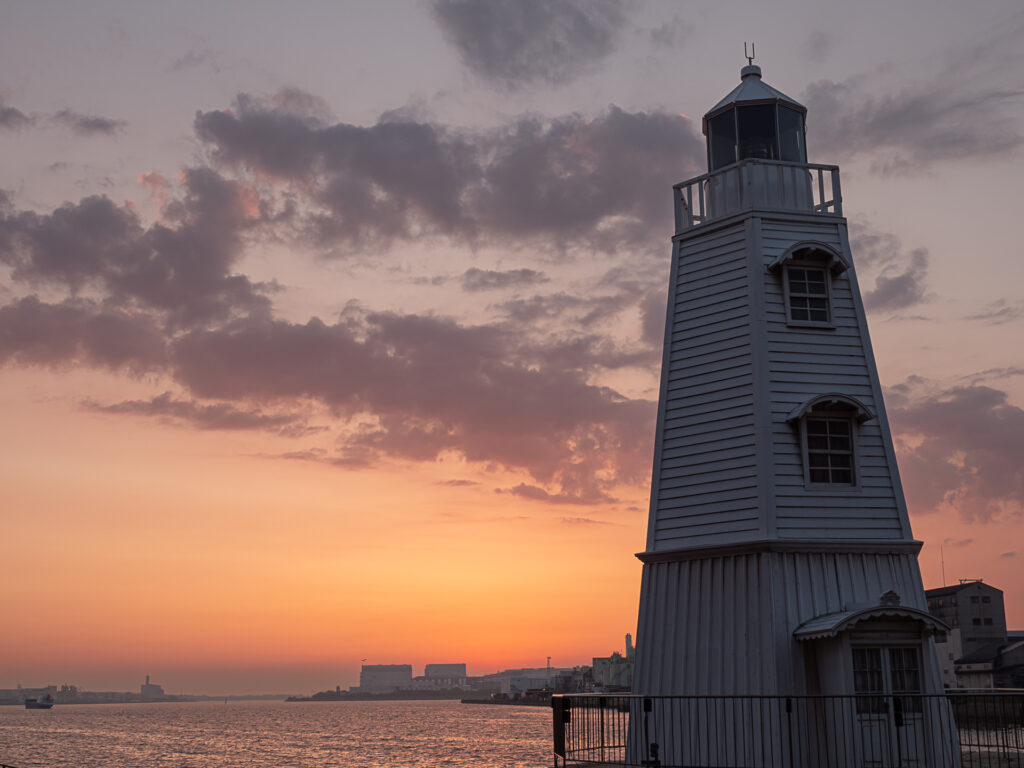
[(803, 363), (720, 389), (706, 485), (739, 370), (720, 393)]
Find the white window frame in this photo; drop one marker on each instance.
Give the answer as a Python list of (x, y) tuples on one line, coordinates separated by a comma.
[(788, 296), (830, 415)]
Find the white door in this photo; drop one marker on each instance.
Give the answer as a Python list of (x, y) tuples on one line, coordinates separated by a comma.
[(890, 723)]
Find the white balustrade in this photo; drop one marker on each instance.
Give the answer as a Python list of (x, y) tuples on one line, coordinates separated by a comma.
[(758, 185)]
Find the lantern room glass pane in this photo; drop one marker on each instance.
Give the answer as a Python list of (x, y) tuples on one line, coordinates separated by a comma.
[(757, 136), (722, 136), (791, 136)]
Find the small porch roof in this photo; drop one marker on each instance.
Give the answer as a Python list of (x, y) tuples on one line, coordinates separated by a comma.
[(831, 624)]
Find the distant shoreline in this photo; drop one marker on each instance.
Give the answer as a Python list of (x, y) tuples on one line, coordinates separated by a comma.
[(167, 700), (454, 694)]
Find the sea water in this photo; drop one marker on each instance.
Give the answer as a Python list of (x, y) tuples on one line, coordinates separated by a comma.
[(265, 734)]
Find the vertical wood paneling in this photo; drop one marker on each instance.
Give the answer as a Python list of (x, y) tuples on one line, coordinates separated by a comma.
[(724, 625), (706, 487)]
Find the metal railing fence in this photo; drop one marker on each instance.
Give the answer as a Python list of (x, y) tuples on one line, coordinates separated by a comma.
[(948, 730)]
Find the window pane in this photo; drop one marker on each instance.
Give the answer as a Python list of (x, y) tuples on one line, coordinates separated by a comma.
[(808, 293), (905, 675), (722, 130), (829, 451), (791, 135), (757, 137), (838, 427), (867, 678), (816, 287), (839, 443), (839, 461)]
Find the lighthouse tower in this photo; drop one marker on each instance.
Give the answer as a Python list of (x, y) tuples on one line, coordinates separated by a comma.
[(779, 557)]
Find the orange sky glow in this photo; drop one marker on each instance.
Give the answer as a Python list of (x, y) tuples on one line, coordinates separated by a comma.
[(367, 366)]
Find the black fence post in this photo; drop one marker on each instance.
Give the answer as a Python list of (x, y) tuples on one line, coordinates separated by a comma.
[(559, 717), (897, 721), (789, 727)]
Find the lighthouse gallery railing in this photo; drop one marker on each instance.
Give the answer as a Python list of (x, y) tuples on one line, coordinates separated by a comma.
[(965, 729), (758, 185)]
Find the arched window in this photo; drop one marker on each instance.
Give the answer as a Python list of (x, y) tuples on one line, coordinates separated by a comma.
[(807, 269), (827, 426)]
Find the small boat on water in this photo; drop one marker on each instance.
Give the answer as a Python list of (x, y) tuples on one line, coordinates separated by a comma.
[(45, 703)]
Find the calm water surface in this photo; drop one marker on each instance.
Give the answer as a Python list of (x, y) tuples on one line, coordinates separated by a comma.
[(283, 735)]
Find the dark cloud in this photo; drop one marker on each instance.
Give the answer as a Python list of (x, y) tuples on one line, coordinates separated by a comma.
[(536, 493), (423, 386), (914, 129), (474, 279), (458, 483), (990, 374), (999, 312), (88, 125), (957, 542), (600, 181), (900, 276), (163, 300), (13, 119), (33, 332), (516, 43), (961, 447), (181, 268), (221, 416), (581, 310), (1008, 554), (898, 290), (873, 248), (390, 181), (568, 181)]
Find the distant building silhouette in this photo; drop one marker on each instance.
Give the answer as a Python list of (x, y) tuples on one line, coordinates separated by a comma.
[(973, 607), (978, 651), (615, 672), (385, 678), (150, 690)]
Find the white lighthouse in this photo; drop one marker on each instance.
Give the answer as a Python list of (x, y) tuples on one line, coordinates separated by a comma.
[(779, 557)]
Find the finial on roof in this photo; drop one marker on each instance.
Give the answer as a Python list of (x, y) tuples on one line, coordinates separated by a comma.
[(751, 70)]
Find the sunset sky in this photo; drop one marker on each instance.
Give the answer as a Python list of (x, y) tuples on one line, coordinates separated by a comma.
[(331, 331)]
